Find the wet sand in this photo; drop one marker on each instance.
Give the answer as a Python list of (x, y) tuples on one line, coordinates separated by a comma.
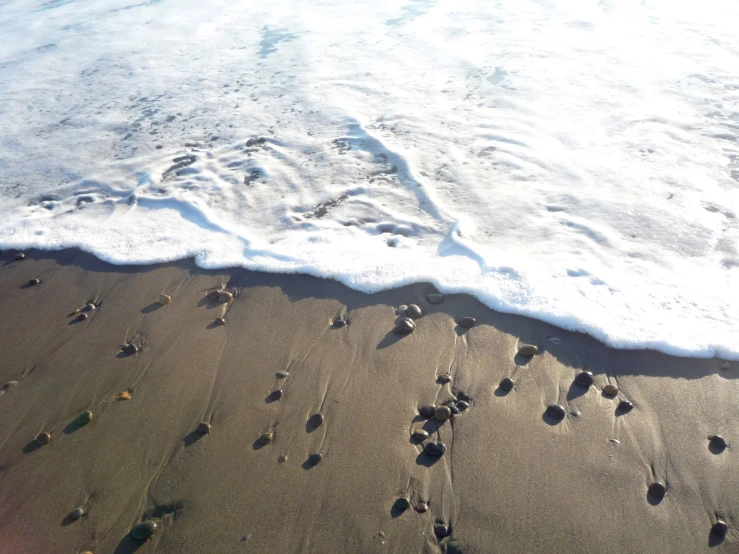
[(512, 477)]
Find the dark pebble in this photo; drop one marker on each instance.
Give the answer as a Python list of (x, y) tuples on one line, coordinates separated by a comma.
[(77, 513), (220, 321), (625, 406), (276, 394), (265, 438), (528, 350), (405, 326), (204, 428), (88, 307), (85, 418), (435, 298), (402, 503), (144, 530), (20, 256), (453, 408), (556, 411), (435, 448), (316, 420), (441, 530), (718, 442), (463, 404), (413, 311), (444, 378), (506, 384), (463, 396), (213, 295), (467, 322), (427, 411), (657, 490), (584, 379), (34, 282), (313, 459), (43, 438), (282, 374), (339, 322), (442, 413), (83, 317), (720, 528), (130, 348), (421, 507)]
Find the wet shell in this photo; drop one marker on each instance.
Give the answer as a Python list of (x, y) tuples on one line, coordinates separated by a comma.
[(43, 438), (610, 389), (144, 530), (528, 350), (413, 311), (467, 322), (405, 326), (584, 379), (85, 418), (506, 384)]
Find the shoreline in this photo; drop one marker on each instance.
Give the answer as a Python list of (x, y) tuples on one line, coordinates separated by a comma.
[(511, 478)]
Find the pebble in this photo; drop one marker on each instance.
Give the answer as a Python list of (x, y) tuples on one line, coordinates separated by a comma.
[(428, 410), (143, 531), (444, 378), (657, 490), (467, 322), (130, 348), (556, 411), (213, 295), (435, 448), (164, 299), (454, 409), (34, 282), (88, 307), (282, 374), (625, 406), (421, 507), (584, 379), (282, 458), (265, 438), (77, 513), (20, 256), (441, 530), (718, 442), (528, 349), (506, 384), (442, 413), (338, 322), (610, 389), (85, 418), (82, 317), (463, 404), (403, 503), (463, 396), (435, 297), (400, 310), (405, 326), (315, 458), (203, 428), (316, 420), (43, 438), (720, 528), (225, 296), (276, 394), (220, 321), (125, 395), (420, 434), (413, 311)]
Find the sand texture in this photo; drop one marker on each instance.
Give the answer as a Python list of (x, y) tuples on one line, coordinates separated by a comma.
[(512, 478)]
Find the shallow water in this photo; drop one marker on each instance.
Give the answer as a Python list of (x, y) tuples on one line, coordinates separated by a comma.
[(575, 161)]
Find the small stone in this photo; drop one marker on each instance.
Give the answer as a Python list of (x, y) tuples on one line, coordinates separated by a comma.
[(435, 448), (143, 531), (556, 411), (83, 317), (400, 310), (420, 434), (584, 379), (164, 299), (718, 442), (316, 420), (427, 411), (129, 348), (43, 438), (125, 395), (89, 307), (203, 428), (506, 384), (610, 389), (282, 374), (338, 322), (77, 513), (265, 438), (435, 298), (34, 282), (444, 378), (421, 507), (463, 404), (441, 530), (220, 321), (528, 350), (405, 326), (413, 311), (467, 322), (225, 296), (315, 458), (720, 528), (625, 406), (657, 490), (442, 413), (20, 256), (453, 408), (85, 418), (276, 394), (403, 503), (282, 458)]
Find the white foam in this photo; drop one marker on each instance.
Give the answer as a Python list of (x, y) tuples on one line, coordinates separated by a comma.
[(576, 161)]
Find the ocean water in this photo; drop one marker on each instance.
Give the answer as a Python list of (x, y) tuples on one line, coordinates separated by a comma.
[(576, 161)]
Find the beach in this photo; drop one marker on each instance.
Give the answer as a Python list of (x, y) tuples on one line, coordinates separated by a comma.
[(511, 478)]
